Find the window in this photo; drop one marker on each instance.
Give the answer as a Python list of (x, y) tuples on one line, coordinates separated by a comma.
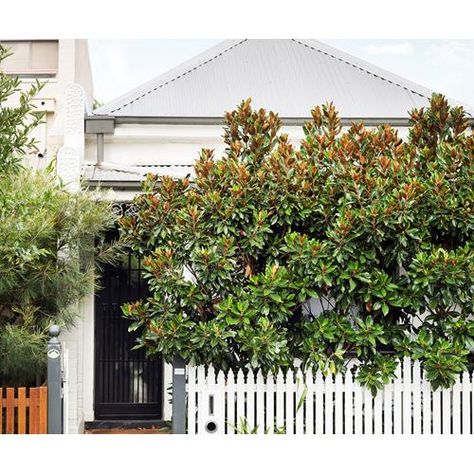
[(37, 58)]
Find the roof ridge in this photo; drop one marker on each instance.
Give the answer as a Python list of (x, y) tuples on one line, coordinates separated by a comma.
[(359, 66), (186, 72)]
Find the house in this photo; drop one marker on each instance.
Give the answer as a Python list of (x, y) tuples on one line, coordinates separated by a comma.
[(59, 64), (160, 127)]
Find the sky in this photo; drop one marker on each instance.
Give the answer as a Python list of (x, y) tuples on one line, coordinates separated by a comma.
[(445, 66)]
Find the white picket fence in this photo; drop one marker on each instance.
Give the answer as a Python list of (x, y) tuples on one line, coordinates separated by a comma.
[(218, 403)]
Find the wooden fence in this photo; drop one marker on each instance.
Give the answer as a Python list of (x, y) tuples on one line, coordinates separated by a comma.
[(24, 410), (304, 403)]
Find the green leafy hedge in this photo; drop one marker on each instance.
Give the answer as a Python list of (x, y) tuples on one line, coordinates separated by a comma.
[(355, 243)]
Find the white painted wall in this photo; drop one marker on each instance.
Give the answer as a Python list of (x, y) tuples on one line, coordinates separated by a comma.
[(149, 144), (73, 67)]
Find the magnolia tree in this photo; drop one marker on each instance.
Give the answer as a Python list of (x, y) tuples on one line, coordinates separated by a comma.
[(353, 245)]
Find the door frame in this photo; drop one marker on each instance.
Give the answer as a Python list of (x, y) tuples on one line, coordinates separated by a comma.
[(105, 413)]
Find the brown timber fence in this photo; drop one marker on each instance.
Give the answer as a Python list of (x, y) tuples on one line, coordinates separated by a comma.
[(24, 410)]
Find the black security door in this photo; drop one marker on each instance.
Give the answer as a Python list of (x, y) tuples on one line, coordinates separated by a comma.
[(128, 385)]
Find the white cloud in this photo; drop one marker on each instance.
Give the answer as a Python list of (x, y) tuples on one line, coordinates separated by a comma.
[(399, 49)]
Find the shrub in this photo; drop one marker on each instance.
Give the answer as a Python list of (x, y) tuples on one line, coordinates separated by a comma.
[(47, 243), (355, 243)]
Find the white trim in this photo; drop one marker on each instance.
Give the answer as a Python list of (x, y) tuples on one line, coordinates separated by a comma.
[(88, 315)]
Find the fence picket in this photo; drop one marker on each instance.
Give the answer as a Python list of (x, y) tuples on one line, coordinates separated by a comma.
[(426, 400), (466, 404), (280, 400), (319, 410), (250, 389), (378, 405), (270, 399), (21, 410), (338, 405), (348, 402), (10, 411), (309, 402), (358, 402), (446, 403), (231, 421), (472, 402), (299, 414), (387, 408), (416, 398), (43, 409), (240, 395), (1, 410), (368, 412), (260, 403), (436, 429), (191, 410), (406, 397), (329, 405), (219, 402), (290, 402), (34, 412), (397, 401), (456, 421), (202, 391)]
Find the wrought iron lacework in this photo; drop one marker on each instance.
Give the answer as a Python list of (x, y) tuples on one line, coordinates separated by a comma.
[(122, 209)]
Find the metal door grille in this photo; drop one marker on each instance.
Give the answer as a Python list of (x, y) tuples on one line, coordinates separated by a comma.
[(128, 385)]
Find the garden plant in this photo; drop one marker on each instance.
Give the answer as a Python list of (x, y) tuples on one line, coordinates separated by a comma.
[(48, 240), (353, 243)]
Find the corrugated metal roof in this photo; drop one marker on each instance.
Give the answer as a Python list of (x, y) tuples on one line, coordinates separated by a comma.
[(287, 76), (131, 176)]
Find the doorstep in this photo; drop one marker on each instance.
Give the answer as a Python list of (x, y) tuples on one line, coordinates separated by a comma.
[(127, 427)]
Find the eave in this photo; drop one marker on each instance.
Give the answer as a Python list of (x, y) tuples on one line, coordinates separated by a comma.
[(106, 124)]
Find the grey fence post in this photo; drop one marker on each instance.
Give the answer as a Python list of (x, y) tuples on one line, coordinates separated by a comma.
[(179, 396), (54, 382)]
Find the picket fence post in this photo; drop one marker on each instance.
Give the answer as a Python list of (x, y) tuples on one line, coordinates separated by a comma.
[(179, 396), (55, 421)]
